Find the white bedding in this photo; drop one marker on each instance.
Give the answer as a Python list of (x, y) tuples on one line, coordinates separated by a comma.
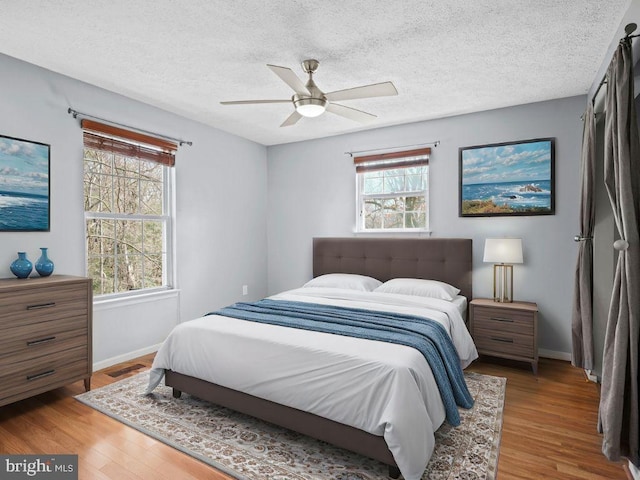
[(461, 303), (382, 388)]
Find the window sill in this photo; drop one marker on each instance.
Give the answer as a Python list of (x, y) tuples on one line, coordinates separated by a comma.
[(117, 301), (404, 231)]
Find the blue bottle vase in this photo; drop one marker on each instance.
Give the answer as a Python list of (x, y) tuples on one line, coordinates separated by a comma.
[(44, 265), (21, 266)]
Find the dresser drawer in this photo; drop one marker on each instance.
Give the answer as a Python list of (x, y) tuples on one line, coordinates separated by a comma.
[(43, 304), (36, 373), (491, 341), (20, 343), (503, 320)]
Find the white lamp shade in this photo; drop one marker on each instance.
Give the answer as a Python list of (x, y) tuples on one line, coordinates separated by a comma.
[(503, 250)]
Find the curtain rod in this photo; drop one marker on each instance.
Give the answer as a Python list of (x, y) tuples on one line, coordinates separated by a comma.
[(435, 144), (629, 29), (75, 114)]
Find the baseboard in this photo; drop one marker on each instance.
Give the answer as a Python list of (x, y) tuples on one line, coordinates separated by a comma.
[(633, 473), (553, 354), (592, 377), (125, 357), (567, 357)]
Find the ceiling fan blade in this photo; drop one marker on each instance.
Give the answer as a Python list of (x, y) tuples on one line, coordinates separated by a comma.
[(351, 113), (291, 119), (290, 78), (247, 102), (384, 89)]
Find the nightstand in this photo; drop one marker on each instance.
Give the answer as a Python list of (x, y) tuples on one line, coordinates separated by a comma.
[(506, 330)]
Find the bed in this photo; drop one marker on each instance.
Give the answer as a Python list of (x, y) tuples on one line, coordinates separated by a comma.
[(262, 391)]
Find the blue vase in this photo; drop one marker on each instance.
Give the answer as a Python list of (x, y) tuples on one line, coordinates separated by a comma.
[(21, 266), (44, 265)]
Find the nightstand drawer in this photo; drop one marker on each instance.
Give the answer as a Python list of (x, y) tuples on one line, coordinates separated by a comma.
[(503, 320), (491, 341)]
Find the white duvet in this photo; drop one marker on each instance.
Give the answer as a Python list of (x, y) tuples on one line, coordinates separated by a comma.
[(382, 388)]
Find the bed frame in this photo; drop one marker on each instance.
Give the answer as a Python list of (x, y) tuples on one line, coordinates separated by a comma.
[(446, 259)]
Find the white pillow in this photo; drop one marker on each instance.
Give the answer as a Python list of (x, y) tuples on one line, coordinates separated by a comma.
[(349, 281), (420, 288)]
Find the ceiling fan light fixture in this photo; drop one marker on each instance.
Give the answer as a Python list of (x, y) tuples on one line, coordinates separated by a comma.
[(310, 101), (310, 107)]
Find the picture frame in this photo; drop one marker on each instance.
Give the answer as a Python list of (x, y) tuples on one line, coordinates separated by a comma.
[(507, 179), (24, 185)]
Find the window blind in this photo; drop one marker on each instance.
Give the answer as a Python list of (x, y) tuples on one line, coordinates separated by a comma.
[(386, 161), (124, 142)]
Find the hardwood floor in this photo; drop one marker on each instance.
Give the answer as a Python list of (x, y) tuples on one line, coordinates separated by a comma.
[(550, 421), (549, 430)]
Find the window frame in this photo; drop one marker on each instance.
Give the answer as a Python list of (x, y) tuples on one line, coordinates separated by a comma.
[(167, 219), (400, 158)]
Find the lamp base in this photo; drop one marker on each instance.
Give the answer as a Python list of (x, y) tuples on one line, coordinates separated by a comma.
[(502, 283)]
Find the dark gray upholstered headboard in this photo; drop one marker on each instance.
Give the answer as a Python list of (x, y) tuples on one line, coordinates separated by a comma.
[(445, 259)]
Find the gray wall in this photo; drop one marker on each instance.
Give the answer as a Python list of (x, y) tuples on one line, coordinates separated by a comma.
[(220, 204), (311, 193)]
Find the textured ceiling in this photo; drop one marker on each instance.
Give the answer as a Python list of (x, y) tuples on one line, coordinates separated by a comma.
[(445, 57)]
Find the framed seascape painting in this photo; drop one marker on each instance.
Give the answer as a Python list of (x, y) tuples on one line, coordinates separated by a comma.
[(505, 179), (24, 185)]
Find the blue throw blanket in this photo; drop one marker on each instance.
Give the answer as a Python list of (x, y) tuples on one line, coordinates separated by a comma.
[(425, 335)]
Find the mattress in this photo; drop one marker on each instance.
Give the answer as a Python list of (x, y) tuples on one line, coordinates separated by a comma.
[(382, 388)]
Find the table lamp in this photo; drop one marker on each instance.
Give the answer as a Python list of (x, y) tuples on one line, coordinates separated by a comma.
[(503, 253)]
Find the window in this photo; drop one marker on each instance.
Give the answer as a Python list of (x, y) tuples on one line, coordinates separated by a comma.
[(127, 189), (392, 191)]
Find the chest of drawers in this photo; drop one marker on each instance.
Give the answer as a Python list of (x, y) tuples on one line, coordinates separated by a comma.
[(507, 330), (45, 335)]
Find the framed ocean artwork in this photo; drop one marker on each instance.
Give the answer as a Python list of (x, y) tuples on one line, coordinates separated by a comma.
[(24, 185), (506, 179)]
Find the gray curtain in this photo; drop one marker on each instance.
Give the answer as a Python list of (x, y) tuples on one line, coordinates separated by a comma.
[(582, 315), (619, 419)]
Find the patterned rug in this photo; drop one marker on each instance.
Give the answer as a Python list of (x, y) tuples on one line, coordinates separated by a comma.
[(250, 449)]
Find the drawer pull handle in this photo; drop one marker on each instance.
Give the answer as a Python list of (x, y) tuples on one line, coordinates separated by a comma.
[(502, 319), (505, 340), (41, 305), (38, 342), (40, 375)]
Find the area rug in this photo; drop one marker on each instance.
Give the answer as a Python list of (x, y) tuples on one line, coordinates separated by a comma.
[(249, 449)]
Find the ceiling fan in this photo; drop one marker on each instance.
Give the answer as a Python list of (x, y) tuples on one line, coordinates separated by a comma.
[(310, 101)]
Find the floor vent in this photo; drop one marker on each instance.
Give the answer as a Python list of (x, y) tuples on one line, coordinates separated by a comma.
[(122, 371)]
